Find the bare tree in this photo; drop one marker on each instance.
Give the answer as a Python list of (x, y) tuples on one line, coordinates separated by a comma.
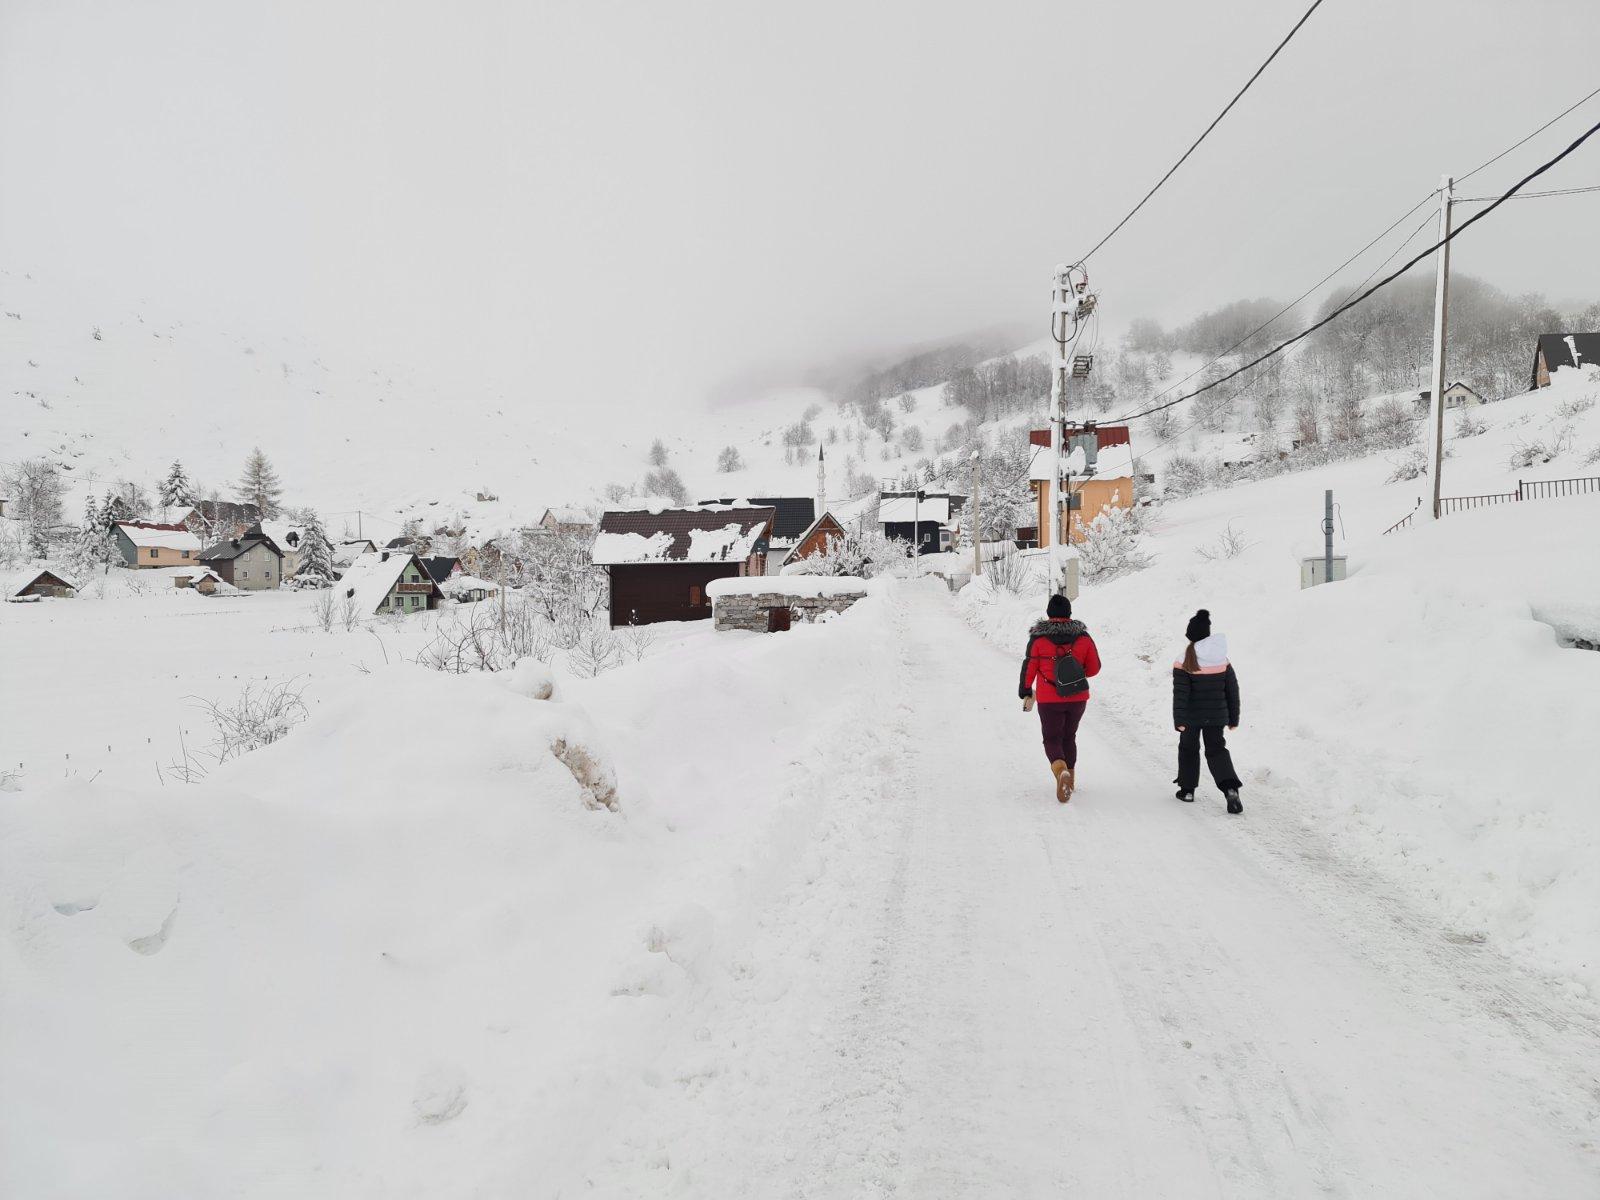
[(259, 484)]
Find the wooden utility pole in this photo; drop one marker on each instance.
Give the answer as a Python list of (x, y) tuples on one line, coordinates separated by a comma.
[(1441, 321), (1063, 316)]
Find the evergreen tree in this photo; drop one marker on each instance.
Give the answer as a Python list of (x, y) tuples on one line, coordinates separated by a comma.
[(259, 485), (316, 554), (96, 545), (175, 489), (114, 509)]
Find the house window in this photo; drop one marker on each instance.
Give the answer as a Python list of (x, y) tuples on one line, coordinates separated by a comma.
[(415, 600), (185, 553), (152, 553), (244, 574)]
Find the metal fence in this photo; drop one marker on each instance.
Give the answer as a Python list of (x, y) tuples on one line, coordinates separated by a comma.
[(1450, 504), (1551, 489), (1538, 489)]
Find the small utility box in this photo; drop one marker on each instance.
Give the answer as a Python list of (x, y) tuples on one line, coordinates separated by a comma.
[(1315, 570)]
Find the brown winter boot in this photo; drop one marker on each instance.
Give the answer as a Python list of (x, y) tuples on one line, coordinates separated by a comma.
[(1063, 775)]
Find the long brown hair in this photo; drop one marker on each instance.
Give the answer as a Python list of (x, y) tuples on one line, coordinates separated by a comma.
[(1191, 662)]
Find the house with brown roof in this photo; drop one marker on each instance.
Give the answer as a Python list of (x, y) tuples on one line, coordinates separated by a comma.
[(660, 562), (46, 583), (815, 539), (221, 519)]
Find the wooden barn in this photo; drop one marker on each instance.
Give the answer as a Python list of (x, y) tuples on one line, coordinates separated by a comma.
[(1555, 350), (815, 539), (47, 583), (660, 562)]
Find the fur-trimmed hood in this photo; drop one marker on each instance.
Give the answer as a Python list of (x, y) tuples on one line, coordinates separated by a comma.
[(1210, 653), (1059, 632)]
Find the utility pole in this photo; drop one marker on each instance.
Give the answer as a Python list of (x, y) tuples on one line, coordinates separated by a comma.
[(977, 526), (1327, 536), (1441, 321), (1069, 305)]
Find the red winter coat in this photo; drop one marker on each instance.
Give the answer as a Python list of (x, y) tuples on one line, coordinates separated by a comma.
[(1046, 640)]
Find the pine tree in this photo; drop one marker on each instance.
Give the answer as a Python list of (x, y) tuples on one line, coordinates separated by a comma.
[(260, 485), (316, 554), (175, 489), (96, 545)]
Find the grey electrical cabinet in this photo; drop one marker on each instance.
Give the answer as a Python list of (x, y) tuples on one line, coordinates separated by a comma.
[(1314, 570)]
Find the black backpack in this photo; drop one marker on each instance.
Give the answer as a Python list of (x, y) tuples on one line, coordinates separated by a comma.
[(1067, 673)]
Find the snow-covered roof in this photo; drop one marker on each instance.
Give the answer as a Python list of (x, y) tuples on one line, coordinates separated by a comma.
[(787, 585), (284, 535), (345, 553), (147, 535), (467, 583), (567, 515), (898, 509), (703, 534), (372, 577), (38, 575)]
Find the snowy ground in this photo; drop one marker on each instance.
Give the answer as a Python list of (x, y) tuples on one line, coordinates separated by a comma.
[(837, 941)]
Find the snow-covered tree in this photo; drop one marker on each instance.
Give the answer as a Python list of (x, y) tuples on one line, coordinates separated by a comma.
[(658, 453), (259, 485), (35, 492), (316, 554), (1111, 544), (664, 481), (175, 488), (96, 545), (862, 554), (730, 460)]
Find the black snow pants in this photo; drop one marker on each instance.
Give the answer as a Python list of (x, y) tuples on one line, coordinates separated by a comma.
[(1217, 757), (1059, 724)]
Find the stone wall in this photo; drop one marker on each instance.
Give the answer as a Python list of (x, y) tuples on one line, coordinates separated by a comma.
[(751, 612)]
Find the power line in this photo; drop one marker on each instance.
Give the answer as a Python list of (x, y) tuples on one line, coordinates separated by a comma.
[(1577, 191), (1382, 283), (1460, 179), (1215, 122)]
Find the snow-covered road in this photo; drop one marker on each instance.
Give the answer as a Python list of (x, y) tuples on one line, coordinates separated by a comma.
[(959, 988)]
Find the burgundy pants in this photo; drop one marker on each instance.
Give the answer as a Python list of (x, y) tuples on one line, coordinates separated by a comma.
[(1059, 723)]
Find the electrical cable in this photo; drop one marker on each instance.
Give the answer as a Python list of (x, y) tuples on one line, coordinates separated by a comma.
[(1382, 283), (1460, 179), (1217, 120)]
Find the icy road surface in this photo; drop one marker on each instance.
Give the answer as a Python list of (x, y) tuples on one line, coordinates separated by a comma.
[(966, 990)]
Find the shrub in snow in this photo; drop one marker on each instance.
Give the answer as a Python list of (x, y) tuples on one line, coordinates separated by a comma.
[(1184, 475), (1592, 457), (1468, 426), (1531, 454), (257, 718), (488, 637), (865, 554), (1110, 545), (1230, 543), (1410, 466), (594, 652)]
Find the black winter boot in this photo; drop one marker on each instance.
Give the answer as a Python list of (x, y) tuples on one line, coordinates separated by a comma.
[(1185, 795), (1235, 805)]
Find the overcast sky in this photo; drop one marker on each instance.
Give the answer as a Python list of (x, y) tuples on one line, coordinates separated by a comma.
[(591, 199)]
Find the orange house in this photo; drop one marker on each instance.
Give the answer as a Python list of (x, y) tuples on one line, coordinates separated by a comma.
[(1111, 486)]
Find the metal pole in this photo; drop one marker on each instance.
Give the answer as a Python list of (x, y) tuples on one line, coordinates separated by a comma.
[(1327, 536), (1441, 313), (1061, 306), (977, 527)]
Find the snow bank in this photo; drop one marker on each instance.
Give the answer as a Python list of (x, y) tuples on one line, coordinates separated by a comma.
[(788, 585), (371, 958)]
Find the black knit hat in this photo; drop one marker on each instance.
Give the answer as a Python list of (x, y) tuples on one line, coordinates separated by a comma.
[(1059, 608), (1199, 627)]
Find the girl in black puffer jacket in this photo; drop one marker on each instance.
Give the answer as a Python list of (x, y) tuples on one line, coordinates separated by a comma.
[(1205, 698)]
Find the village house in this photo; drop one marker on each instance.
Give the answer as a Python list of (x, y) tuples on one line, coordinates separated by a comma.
[(218, 520), (825, 531), (46, 583), (1107, 482), (442, 567), (389, 581), (795, 516), (289, 539), (252, 563), (153, 544), (1457, 395), (468, 589), (1556, 350), (346, 552), (567, 520), (923, 519), (660, 563), (206, 583)]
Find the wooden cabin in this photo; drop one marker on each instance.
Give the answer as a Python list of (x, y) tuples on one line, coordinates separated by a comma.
[(1555, 350), (825, 531), (47, 583), (660, 563)]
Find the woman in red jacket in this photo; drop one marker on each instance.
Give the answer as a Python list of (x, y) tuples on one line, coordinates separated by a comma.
[(1055, 674)]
